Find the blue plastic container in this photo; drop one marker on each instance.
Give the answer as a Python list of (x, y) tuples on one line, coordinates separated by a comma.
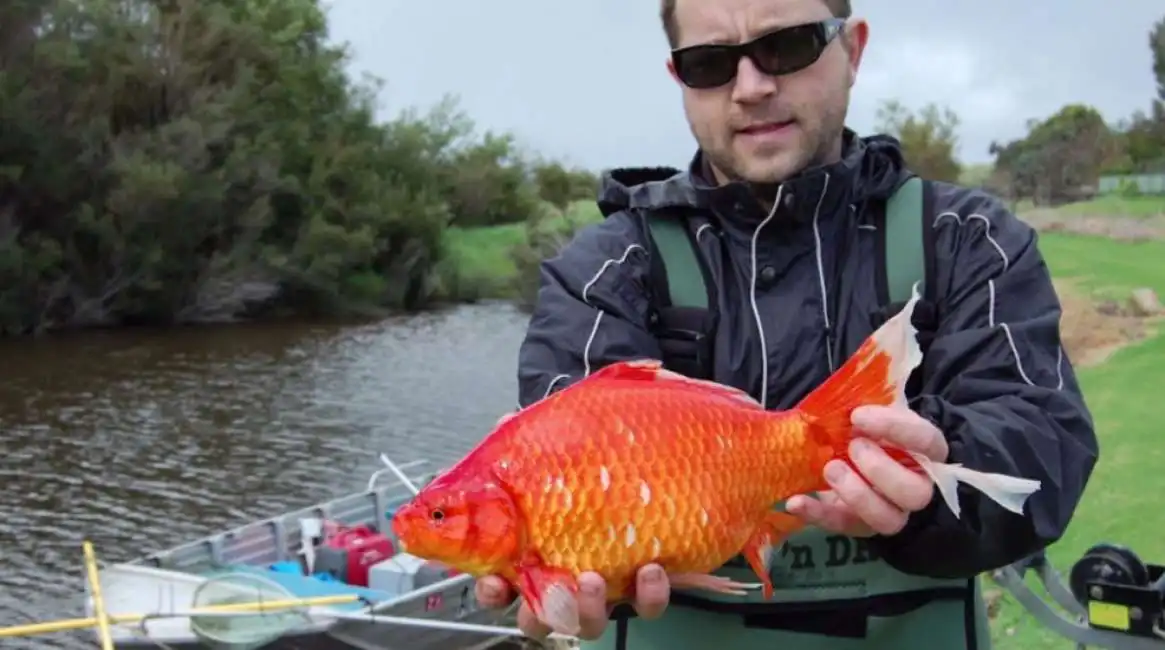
[(291, 566)]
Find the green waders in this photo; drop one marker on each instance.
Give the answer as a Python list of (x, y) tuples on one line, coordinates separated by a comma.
[(831, 592)]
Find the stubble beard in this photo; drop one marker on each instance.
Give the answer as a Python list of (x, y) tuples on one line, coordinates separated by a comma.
[(820, 146), (824, 146)]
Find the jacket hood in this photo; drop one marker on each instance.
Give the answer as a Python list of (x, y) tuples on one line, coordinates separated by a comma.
[(870, 169)]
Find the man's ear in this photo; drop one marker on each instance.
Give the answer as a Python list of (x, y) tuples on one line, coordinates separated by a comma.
[(855, 36)]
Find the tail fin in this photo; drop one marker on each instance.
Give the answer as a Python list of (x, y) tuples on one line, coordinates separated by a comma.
[(1010, 492), (876, 375)]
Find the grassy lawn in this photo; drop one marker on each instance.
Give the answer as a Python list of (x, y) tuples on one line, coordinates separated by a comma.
[(485, 252), (1120, 504), (1110, 205), (1138, 206), (1103, 265), (482, 260)]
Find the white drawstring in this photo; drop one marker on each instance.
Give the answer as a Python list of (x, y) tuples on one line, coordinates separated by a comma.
[(760, 328)]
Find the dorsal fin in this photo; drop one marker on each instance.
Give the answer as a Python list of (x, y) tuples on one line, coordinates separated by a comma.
[(647, 370), (653, 370)]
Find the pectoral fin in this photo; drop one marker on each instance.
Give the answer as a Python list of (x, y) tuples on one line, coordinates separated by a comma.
[(552, 594)]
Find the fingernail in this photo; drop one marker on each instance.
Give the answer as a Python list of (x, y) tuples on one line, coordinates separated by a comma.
[(491, 591), (653, 576), (591, 588), (835, 471), (591, 583)]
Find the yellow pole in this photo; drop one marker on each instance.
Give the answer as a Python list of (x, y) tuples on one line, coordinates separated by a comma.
[(98, 599), (48, 627)]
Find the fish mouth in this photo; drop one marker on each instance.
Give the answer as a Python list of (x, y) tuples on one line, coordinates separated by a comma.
[(400, 528)]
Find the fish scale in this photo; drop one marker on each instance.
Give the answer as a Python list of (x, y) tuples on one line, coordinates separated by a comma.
[(635, 464), (636, 502)]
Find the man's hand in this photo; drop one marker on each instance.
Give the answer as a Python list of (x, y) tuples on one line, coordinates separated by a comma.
[(651, 595), (860, 509)]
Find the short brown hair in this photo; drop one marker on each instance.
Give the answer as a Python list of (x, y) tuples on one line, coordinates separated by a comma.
[(667, 13)]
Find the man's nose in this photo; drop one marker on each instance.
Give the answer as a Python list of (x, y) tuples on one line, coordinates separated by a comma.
[(751, 84)]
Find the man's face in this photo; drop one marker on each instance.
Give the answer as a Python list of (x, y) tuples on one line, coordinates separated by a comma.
[(763, 128)]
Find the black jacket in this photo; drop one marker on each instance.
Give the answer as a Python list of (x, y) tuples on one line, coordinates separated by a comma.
[(995, 378)]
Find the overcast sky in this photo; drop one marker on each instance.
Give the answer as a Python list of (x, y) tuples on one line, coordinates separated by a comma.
[(585, 81)]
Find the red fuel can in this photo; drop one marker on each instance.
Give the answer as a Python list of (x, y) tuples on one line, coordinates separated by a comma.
[(357, 550)]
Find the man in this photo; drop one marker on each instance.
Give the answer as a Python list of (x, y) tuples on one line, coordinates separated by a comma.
[(785, 207)]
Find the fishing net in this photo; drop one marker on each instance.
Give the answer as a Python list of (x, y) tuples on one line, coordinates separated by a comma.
[(247, 626)]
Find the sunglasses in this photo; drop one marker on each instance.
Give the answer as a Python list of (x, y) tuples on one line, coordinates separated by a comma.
[(779, 52)]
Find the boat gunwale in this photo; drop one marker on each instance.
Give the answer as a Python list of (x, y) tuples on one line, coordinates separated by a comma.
[(287, 532), (214, 542)]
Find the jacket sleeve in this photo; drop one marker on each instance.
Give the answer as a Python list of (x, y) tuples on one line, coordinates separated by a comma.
[(997, 382), (592, 309)]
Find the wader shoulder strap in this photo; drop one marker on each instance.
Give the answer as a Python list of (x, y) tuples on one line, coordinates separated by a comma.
[(904, 241), (681, 272), (684, 319), (906, 256)]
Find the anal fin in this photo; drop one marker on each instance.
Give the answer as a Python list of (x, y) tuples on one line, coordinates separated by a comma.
[(773, 530), (708, 582)]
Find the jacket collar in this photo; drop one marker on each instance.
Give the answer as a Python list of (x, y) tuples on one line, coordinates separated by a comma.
[(870, 168), (818, 190)]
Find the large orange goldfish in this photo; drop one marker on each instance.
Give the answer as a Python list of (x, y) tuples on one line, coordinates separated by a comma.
[(635, 464)]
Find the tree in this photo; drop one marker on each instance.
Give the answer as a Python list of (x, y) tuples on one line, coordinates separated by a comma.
[(1061, 157), (1157, 45), (1144, 132), (1142, 139), (170, 161), (1145, 135), (928, 138), (559, 185)]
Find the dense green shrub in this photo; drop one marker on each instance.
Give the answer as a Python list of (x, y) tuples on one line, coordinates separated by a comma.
[(185, 160), (546, 234)]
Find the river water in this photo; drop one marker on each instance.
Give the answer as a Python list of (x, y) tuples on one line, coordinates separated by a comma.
[(143, 440)]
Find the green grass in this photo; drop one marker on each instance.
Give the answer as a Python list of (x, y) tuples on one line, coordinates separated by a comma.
[(1105, 266), (1120, 504), (1109, 205), (1132, 206), (485, 252), (481, 260)]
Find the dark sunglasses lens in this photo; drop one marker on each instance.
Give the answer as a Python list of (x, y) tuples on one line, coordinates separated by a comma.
[(788, 50), (705, 67)]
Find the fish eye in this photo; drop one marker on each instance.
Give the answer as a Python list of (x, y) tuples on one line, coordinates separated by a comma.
[(437, 514)]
